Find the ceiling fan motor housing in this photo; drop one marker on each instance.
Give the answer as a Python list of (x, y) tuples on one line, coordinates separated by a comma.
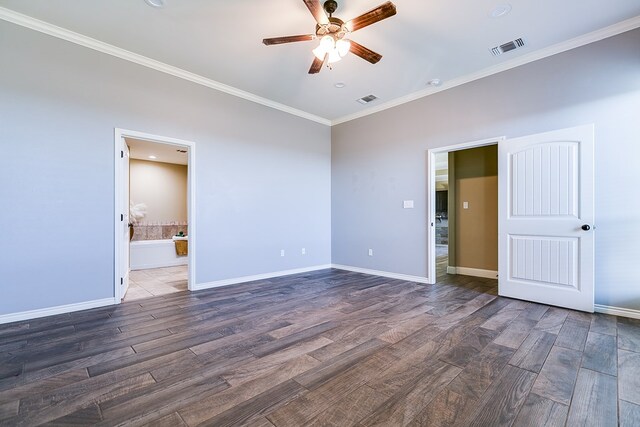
[(330, 6), (335, 28)]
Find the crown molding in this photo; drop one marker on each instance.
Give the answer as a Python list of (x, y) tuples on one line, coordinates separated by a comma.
[(585, 39), (82, 40), (73, 37)]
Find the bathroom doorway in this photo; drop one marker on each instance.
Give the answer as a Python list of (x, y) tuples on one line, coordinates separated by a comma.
[(155, 215)]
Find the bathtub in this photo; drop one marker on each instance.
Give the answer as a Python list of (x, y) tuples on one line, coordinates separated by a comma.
[(154, 254)]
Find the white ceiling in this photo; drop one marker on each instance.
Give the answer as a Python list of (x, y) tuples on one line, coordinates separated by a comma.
[(164, 153), (221, 40)]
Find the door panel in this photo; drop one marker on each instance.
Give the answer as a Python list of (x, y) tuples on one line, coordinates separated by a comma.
[(534, 170), (552, 261), (546, 195)]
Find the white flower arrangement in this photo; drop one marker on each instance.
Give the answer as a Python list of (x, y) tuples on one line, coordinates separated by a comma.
[(137, 212)]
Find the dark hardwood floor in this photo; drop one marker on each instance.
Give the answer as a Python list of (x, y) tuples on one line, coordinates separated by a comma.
[(328, 348)]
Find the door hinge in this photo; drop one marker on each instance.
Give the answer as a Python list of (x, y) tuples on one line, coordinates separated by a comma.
[(121, 154), (122, 281)]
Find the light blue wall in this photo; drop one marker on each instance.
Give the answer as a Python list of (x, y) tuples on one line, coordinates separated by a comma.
[(380, 160), (263, 176), (268, 180)]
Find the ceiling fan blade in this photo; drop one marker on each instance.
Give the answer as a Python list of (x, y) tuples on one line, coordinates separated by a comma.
[(317, 11), (381, 12), (316, 66), (364, 53), (288, 39)]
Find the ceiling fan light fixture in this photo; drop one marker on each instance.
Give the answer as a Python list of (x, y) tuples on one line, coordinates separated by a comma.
[(343, 46), (319, 53), (327, 43), (326, 46)]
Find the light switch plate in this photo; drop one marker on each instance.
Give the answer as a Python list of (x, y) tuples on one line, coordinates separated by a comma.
[(465, 205), (408, 204)]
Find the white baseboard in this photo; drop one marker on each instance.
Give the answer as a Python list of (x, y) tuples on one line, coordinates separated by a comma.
[(398, 276), (476, 272), (243, 279), (51, 311), (617, 311)]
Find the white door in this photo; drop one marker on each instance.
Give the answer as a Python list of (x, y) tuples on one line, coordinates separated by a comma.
[(126, 267), (546, 216)]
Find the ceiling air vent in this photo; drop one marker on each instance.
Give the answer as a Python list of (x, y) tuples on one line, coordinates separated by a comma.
[(507, 47), (367, 99)]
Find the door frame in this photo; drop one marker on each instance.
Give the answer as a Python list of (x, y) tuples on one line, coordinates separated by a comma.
[(119, 134), (431, 195)]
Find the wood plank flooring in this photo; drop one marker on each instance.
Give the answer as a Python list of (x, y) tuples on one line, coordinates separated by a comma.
[(328, 348)]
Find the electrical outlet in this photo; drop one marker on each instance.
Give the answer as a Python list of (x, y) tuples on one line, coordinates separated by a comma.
[(304, 251), (281, 252), (370, 252)]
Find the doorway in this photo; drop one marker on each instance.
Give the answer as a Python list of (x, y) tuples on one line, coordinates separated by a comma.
[(545, 215), (454, 223), (155, 215)]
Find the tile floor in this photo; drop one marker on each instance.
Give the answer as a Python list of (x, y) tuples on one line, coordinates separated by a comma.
[(156, 281)]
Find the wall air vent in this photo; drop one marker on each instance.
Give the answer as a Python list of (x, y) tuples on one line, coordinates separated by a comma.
[(367, 99), (507, 47)]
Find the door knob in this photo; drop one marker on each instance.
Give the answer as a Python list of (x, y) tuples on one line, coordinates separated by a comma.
[(586, 227)]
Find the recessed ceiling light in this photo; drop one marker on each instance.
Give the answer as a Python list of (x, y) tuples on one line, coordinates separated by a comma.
[(434, 82), (152, 157), (500, 10), (339, 85), (155, 3)]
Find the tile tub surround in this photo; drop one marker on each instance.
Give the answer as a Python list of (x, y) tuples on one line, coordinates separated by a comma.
[(159, 231)]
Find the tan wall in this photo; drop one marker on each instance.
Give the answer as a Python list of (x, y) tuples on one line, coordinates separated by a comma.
[(162, 187), (476, 234), (477, 227)]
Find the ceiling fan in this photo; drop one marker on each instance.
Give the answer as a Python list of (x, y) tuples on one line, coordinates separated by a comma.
[(332, 33)]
